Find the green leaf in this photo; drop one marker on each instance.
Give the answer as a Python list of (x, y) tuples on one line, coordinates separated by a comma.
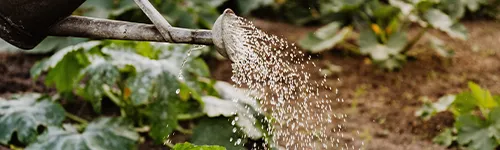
[(443, 22), (162, 112), (99, 73), (445, 138), (325, 38), (24, 114), (103, 133), (64, 66), (189, 146), (215, 107), (142, 85), (475, 133), (438, 19), (483, 97), (216, 131), (464, 103)]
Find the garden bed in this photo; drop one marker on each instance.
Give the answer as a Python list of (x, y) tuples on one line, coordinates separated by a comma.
[(380, 105)]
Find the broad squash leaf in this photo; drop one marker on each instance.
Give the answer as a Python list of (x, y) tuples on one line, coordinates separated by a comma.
[(189, 146), (475, 133), (24, 114), (325, 38), (162, 112), (64, 66), (99, 73), (216, 131), (430, 109), (103, 133), (215, 107), (443, 22)]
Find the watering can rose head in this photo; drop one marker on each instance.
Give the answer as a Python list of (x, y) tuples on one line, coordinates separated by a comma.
[(229, 38)]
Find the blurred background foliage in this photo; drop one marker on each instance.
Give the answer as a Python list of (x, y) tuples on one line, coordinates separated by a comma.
[(389, 20)]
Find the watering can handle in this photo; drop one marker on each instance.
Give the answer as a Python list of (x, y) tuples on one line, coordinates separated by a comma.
[(96, 28), (25, 23)]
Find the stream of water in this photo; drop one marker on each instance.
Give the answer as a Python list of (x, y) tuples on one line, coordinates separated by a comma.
[(302, 111)]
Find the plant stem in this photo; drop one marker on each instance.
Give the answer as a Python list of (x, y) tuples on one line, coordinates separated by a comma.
[(190, 116), (111, 96), (170, 145), (76, 118), (351, 47), (184, 131), (415, 40)]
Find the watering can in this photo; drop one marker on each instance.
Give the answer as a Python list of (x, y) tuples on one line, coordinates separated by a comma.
[(25, 23)]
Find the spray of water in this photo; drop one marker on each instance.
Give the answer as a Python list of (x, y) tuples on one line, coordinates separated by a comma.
[(302, 118)]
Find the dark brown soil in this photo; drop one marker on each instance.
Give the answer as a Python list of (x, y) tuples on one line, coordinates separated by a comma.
[(380, 105)]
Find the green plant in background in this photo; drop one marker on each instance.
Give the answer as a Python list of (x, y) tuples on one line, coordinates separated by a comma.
[(383, 27), (151, 89), (477, 118)]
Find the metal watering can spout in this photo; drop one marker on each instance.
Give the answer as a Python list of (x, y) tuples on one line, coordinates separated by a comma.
[(25, 23)]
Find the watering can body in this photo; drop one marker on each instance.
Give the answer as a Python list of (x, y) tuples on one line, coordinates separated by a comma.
[(25, 23)]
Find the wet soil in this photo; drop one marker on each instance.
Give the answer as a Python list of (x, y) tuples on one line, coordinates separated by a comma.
[(380, 104)]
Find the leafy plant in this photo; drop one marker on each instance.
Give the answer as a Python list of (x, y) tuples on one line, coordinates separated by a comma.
[(23, 114), (383, 27), (477, 115), (189, 146), (156, 85)]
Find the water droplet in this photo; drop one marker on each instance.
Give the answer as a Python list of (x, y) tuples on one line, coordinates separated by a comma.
[(177, 91)]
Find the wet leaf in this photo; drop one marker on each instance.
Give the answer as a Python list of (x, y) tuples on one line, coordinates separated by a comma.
[(99, 74), (215, 107), (216, 131), (162, 112), (23, 114), (189, 146), (103, 133)]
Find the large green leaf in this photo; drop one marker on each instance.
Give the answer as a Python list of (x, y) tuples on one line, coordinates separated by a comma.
[(162, 112), (441, 21), (189, 146), (103, 133), (325, 38), (244, 118), (216, 131), (24, 114), (64, 66), (475, 133), (100, 74)]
